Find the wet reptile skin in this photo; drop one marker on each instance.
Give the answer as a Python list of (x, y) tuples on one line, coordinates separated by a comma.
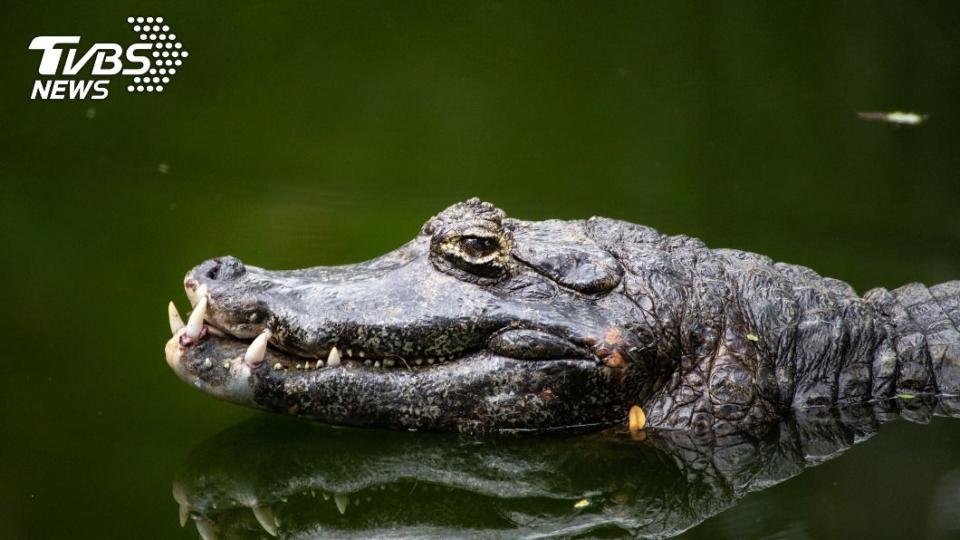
[(555, 324)]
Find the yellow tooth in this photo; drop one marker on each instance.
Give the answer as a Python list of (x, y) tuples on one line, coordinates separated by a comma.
[(176, 323), (206, 529), (258, 349), (184, 514), (333, 359), (636, 419), (195, 323), (341, 500), (265, 517)]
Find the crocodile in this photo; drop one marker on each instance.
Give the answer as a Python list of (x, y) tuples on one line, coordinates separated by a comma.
[(484, 323)]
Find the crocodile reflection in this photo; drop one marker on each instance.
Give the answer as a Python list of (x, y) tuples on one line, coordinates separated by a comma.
[(298, 480)]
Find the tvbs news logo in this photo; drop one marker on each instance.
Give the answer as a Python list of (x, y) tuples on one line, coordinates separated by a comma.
[(148, 64)]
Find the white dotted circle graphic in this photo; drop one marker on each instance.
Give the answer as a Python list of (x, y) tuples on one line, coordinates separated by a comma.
[(167, 52)]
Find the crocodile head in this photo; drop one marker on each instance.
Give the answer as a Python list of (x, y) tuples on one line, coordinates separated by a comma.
[(480, 323)]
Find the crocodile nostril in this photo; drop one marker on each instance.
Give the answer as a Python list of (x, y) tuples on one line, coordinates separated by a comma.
[(225, 268)]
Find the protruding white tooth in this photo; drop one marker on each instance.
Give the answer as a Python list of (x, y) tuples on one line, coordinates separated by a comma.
[(418, 361), (360, 354), (207, 363), (376, 364), (350, 353), (388, 362), (176, 323), (306, 365), (429, 360), (195, 323), (278, 366), (333, 359), (184, 514), (299, 366), (257, 350), (265, 517), (342, 501), (206, 528), (442, 359)]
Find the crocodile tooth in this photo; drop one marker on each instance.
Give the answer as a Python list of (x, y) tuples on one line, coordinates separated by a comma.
[(333, 359), (429, 360), (195, 323), (206, 528), (306, 365), (418, 361), (376, 364), (342, 501), (176, 323), (278, 366), (350, 353), (258, 349), (388, 362), (265, 517), (184, 514), (319, 364), (360, 354)]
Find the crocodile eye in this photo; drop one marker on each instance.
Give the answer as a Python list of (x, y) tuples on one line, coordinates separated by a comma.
[(479, 253), (475, 247)]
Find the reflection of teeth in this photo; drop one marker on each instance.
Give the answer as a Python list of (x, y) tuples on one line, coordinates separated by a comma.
[(388, 362), (195, 323), (257, 350), (342, 501), (333, 359), (265, 517), (176, 323)]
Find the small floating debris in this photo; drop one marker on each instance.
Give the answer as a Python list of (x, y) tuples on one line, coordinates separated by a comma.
[(636, 419), (753, 337), (905, 395), (582, 503), (895, 117)]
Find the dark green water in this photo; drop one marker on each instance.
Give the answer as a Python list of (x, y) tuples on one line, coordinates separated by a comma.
[(300, 134)]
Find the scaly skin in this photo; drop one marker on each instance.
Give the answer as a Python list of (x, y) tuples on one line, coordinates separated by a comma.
[(560, 324)]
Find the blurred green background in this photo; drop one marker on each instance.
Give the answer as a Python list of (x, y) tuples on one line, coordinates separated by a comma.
[(306, 133)]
